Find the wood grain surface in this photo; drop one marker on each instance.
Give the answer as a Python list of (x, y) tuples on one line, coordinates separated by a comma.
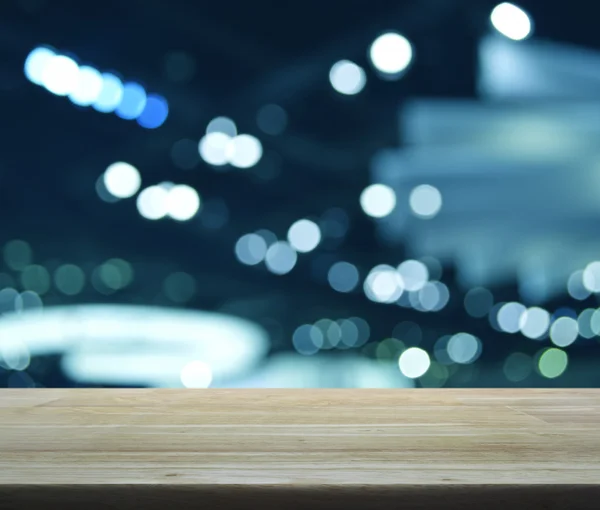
[(300, 449)]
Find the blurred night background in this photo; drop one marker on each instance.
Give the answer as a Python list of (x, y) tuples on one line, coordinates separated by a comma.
[(310, 194)]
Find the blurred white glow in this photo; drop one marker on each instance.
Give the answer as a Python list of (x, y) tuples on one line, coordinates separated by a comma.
[(213, 148), (591, 277), (383, 284), (122, 180), (509, 317), (243, 151), (378, 200), (196, 374), (414, 274), (347, 78), (425, 201), (60, 75), (14, 354), (343, 276), (307, 339), (564, 331), (511, 21), (433, 297), (99, 347), (391, 53), (152, 202), (534, 322), (584, 323), (463, 348), (88, 88), (36, 62), (280, 258), (251, 249), (414, 362), (110, 95), (182, 202), (222, 125), (576, 287), (304, 235)]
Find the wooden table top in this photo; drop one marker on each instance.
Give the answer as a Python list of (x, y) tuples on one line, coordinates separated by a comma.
[(299, 438)]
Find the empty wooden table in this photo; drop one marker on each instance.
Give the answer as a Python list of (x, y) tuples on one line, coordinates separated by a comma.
[(291, 449)]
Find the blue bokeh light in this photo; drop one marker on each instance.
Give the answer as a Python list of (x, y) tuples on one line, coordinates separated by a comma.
[(35, 63), (155, 112), (111, 94), (133, 101)]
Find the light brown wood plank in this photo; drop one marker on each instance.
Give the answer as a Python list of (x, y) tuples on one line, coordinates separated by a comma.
[(323, 447)]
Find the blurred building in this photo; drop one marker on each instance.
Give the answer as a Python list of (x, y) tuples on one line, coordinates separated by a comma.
[(248, 194)]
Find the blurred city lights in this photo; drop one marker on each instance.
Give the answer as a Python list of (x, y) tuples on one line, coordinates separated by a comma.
[(182, 202), (383, 284), (591, 277), (60, 75), (553, 362), (414, 274), (280, 258), (152, 202), (343, 276), (133, 102), (222, 125), (414, 362), (86, 86), (154, 113), (425, 201), (576, 287), (36, 62), (564, 331), (213, 148), (304, 235), (391, 53), (509, 317), (584, 323), (243, 151), (196, 374), (122, 180), (347, 78), (534, 322), (17, 254), (69, 279), (463, 348), (378, 200), (110, 94), (511, 21), (251, 249)]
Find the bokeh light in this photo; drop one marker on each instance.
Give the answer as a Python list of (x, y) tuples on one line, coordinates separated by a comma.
[(222, 125), (347, 78), (478, 302), (122, 180), (553, 362), (251, 249), (414, 362), (304, 235), (378, 200), (280, 258), (511, 21), (182, 202), (425, 201), (343, 276), (391, 53), (196, 374), (243, 151), (564, 331), (155, 112), (534, 322)]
